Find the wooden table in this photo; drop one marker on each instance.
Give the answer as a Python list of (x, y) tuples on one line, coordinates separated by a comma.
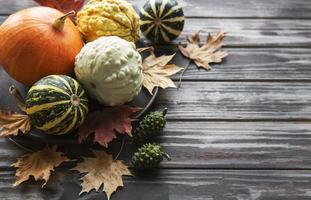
[(239, 131)]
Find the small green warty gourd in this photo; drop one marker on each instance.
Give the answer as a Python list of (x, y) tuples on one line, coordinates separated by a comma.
[(149, 127), (110, 69), (148, 156)]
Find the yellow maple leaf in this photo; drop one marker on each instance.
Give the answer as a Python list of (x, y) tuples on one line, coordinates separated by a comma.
[(156, 70), (207, 53), (38, 164), (11, 123), (102, 169)]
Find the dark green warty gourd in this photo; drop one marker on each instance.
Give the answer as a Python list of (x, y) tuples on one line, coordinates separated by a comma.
[(148, 156), (149, 127)]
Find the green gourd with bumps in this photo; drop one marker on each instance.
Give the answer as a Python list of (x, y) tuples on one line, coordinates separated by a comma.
[(148, 156), (149, 127)]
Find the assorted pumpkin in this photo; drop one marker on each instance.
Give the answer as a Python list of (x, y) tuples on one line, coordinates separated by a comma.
[(56, 104), (161, 20), (37, 42), (108, 18), (40, 46), (110, 68)]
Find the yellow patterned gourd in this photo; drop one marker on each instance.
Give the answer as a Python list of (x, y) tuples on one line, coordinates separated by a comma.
[(108, 18), (110, 69)]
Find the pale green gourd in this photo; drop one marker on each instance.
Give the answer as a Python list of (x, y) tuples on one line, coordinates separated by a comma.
[(110, 69)]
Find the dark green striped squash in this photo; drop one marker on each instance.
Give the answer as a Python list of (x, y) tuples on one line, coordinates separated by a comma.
[(56, 104), (161, 20)]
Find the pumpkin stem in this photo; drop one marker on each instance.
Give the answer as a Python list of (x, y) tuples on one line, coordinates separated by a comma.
[(18, 97), (60, 22)]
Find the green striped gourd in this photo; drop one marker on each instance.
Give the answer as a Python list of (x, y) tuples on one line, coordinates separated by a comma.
[(56, 104), (161, 20)]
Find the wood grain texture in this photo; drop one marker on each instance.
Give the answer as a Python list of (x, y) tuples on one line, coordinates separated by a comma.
[(243, 8), (238, 101), (252, 32), (250, 112), (212, 8), (173, 185), (251, 64), (255, 64), (249, 33), (211, 145), (8, 7), (258, 145)]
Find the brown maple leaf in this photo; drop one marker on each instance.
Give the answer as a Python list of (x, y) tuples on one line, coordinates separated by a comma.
[(207, 53), (11, 123), (102, 169), (62, 5), (106, 122), (156, 71), (38, 164)]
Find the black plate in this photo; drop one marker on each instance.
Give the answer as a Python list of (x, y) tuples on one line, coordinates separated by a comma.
[(144, 100)]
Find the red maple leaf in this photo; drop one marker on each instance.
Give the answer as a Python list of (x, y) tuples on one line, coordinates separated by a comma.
[(62, 5), (106, 123)]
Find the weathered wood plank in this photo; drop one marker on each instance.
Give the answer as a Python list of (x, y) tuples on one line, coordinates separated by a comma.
[(251, 64), (203, 144), (235, 101), (173, 184), (244, 8), (212, 8), (230, 145), (8, 7), (238, 101), (253, 32), (250, 32)]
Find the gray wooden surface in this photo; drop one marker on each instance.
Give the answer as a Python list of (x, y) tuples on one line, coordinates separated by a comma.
[(239, 131)]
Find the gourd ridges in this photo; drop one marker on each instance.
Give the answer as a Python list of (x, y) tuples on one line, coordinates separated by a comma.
[(50, 108), (161, 21)]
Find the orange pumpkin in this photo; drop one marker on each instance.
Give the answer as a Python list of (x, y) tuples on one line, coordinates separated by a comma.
[(37, 42)]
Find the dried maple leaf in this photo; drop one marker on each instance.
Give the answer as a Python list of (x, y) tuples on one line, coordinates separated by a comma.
[(157, 72), (106, 122), (62, 5), (11, 123), (102, 169), (38, 164), (207, 53)]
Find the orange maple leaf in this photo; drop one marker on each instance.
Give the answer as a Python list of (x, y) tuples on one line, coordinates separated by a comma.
[(38, 164), (11, 123), (207, 53), (102, 170), (157, 71)]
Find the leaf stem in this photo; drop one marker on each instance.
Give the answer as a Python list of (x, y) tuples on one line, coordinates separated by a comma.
[(121, 148), (19, 145), (18, 97), (166, 156), (182, 75)]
